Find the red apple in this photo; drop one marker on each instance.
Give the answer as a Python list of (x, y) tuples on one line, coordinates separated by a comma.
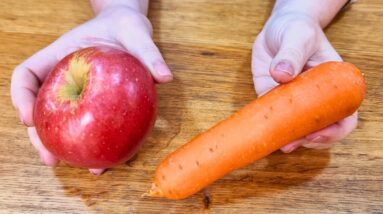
[(95, 108)]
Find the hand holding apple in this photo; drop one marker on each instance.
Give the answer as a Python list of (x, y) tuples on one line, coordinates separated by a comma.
[(95, 108), (119, 26)]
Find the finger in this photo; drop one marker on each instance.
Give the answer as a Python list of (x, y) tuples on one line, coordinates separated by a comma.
[(263, 84), (97, 171), (325, 138), (142, 47), (335, 132), (293, 145), (46, 157), (260, 66), (27, 78), (298, 43), (24, 88)]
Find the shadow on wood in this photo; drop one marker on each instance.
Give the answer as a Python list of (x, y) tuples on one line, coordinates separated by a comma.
[(267, 177)]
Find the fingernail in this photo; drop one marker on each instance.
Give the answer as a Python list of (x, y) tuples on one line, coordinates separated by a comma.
[(48, 161), (284, 67), (96, 171), (162, 69), (319, 139)]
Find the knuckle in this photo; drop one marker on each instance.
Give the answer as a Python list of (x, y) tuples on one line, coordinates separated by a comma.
[(17, 71), (302, 23), (17, 76), (294, 54)]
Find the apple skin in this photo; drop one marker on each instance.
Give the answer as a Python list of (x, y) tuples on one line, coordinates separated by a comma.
[(106, 120)]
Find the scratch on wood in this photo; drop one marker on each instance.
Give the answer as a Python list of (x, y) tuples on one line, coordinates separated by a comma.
[(171, 139), (206, 199), (207, 53), (129, 162)]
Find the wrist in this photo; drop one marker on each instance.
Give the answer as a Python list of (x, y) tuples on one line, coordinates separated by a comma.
[(140, 6), (321, 11)]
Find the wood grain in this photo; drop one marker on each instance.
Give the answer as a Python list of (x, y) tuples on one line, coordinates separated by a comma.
[(207, 44)]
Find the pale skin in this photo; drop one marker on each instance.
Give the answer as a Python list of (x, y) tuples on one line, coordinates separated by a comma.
[(291, 41)]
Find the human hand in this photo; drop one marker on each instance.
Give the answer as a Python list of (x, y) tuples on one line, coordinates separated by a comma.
[(289, 44), (117, 26)]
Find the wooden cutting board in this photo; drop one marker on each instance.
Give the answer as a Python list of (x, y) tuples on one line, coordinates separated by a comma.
[(207, 45)]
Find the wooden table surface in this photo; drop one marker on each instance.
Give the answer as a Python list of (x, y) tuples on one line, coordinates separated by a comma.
[(207, 45)]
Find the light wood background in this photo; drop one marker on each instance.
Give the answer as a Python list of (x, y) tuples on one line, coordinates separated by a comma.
[(207, 44)]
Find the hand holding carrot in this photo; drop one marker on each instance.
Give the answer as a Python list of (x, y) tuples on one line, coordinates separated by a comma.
[(318, 105), (315, 99), (291, 41)]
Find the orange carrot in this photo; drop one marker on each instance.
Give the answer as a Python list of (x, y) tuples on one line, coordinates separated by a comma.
[(317, 98)]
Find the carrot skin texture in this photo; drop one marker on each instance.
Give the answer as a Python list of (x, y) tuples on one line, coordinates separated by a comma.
[(315, 99)]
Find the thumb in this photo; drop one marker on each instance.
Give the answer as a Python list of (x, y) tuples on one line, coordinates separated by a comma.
[(27, 78), (297, 46), (147, 52)]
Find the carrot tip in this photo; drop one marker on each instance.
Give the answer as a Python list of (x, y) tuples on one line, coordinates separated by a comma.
[(154, 191)]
